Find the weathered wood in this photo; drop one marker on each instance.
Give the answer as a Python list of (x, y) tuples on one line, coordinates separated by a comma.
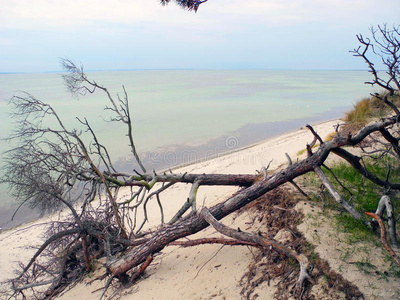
[(46, 243), (392, 140), (204, 241), (355, 163), (70, 161), (142, 268), (262, 241), (194, 223), (191, 202), (386, 204), (383, 237), (338, 198), (206, 179)]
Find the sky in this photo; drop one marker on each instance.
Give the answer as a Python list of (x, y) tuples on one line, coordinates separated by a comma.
[(223, 34)]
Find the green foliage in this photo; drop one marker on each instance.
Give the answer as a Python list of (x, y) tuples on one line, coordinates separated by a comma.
[(366, 194), (356, 228), (394, 270)]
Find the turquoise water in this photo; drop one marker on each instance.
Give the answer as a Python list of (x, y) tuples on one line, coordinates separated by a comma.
[(178, 109), (185, 107)]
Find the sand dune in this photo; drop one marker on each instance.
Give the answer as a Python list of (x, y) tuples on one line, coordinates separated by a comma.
[(203, 272)]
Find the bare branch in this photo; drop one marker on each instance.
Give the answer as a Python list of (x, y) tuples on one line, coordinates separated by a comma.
[(385, 44), (386, 204), (45, 244), (54, 167), (262, 241), (335, 195), (78, 84), (383, 237), (204, 241), (355, 162)]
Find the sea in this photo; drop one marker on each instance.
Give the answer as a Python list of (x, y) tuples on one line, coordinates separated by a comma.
[(183, 116)]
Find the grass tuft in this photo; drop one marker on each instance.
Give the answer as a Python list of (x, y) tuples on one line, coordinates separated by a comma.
[(361, 112), (366, 109), (330, 136)]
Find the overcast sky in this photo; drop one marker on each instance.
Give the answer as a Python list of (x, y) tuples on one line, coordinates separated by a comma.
[(223, 34)]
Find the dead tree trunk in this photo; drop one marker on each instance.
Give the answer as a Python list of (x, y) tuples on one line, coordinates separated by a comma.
[(194, 222)]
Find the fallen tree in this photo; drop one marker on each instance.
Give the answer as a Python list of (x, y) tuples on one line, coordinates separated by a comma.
[(54, 168), (195, 222)]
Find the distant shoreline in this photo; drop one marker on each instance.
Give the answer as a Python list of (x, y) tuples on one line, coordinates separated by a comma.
[(176, 156), (182, 69), (244, 148), (277, 129)]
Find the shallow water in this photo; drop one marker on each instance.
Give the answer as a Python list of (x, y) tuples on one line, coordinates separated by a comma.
[(182, 115)]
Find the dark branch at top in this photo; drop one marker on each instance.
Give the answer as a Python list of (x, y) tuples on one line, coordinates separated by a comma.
[(186, 4), (385, 44)]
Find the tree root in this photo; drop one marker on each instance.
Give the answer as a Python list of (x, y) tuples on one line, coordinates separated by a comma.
[(141, 270), (45, 244)]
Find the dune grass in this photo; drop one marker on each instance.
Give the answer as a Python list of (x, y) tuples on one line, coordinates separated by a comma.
[(365, 110), (360, 113)]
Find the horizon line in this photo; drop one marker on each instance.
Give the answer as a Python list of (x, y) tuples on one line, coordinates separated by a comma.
[(181, 69)]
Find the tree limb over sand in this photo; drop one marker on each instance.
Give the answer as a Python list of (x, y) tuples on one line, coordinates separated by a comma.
[(194, 223)]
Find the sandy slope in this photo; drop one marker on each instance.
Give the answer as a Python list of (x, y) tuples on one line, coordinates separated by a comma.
[(203, 272)]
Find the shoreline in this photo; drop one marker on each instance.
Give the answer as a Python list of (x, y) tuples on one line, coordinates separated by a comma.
[(26, 212), (206, 160), (178, 272), (18, 244), (230, 152), (174, 156)]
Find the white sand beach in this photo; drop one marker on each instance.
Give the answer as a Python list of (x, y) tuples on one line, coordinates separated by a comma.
[(206, 271)]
